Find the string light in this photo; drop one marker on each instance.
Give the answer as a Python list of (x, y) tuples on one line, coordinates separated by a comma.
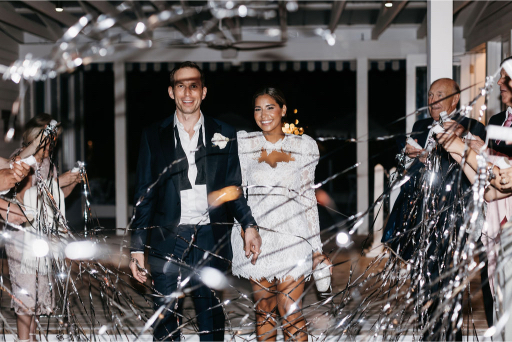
[(58, 6)]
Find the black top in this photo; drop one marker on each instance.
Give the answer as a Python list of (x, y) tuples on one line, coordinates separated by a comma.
[(502, 147)]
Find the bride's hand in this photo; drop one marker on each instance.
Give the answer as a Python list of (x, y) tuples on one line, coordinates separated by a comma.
[(318, 258)]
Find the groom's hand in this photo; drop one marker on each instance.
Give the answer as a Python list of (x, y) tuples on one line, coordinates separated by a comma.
[(252, 244), (138, 274)]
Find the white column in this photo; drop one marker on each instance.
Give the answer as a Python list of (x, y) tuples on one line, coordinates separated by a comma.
[(439, 39), (493, 60), (393, 195), (378, 212), (48, 97), (465, 79), (68, 136), (477, 76), (120, 147), (22, 111), (32, 99), (412, 62), (362, 147)]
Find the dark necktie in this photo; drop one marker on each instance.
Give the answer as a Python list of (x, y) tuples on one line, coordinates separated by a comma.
[(182, 164)]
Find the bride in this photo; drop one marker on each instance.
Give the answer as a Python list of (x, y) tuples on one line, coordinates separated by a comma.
[(278, 172)]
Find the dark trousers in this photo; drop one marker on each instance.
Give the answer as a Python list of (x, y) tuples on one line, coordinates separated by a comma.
[(210, 320), (486, 288)]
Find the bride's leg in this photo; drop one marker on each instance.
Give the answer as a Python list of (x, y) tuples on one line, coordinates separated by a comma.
[(23, 324), (33, 326), (289, 303), (266, 308)]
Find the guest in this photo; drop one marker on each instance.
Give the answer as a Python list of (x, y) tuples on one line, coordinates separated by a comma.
[(496, 210), (443, 96), (279, 171), (31, 276), (504, 118)]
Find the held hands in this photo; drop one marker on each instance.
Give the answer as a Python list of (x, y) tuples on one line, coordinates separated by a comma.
[(252, 243), (318, 258), (137, 267)]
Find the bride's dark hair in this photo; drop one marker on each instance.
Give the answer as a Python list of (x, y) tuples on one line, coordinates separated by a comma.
[(274, 93)]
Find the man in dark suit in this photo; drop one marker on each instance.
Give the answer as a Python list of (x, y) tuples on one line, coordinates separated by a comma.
[(443, 96), (186, 159), (439, 213)]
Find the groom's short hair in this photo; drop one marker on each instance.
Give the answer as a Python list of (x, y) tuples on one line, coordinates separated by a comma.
[(187, 64)]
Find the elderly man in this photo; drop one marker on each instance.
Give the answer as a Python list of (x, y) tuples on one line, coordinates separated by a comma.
[(428, 212), (443, 96)]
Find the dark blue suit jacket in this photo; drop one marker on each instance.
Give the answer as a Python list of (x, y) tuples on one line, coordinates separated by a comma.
[(399, 219), (422, 127), (158, 214)]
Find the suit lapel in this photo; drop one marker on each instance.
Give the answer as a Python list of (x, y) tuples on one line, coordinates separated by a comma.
[(422, 137), (168, 148), (211, 127)]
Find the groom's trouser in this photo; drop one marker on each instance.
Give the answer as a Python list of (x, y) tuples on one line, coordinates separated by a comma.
[(210, 320)]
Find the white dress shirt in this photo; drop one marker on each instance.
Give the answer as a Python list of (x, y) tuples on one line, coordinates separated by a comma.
[(194, 203)]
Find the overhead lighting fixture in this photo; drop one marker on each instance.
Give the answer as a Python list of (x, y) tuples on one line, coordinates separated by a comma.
[(58, 6), (388, 4)]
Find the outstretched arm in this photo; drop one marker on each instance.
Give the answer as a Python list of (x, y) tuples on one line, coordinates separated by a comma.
[(456, 147)]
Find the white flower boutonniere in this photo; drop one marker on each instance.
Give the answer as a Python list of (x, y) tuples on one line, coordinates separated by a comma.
[(219, 140)]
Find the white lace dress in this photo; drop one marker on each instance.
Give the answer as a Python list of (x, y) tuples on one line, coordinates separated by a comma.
[(283, 204)]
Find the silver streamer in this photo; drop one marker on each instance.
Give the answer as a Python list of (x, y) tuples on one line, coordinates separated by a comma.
[(421, 296)]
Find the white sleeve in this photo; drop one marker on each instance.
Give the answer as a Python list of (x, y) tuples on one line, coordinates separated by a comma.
[(310, 157)]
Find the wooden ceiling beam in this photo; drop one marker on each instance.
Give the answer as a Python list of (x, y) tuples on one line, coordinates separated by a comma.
[(386, 17), (10, 17), (336, 12)]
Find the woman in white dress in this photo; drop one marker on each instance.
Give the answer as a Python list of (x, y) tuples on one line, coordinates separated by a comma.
[(278, 172)]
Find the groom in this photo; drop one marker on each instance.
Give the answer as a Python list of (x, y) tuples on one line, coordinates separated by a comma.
[(175, 220)]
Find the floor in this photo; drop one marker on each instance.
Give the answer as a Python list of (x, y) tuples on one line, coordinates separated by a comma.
[(119, 308)]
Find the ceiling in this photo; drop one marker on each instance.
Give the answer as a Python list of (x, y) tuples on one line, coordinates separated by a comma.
[(225, 20)]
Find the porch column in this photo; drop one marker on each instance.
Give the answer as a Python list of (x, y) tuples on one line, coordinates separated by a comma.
[(120, 147), (439, 39), (362, 146)]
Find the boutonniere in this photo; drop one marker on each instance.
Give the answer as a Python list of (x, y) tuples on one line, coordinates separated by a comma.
[(219, 140)]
